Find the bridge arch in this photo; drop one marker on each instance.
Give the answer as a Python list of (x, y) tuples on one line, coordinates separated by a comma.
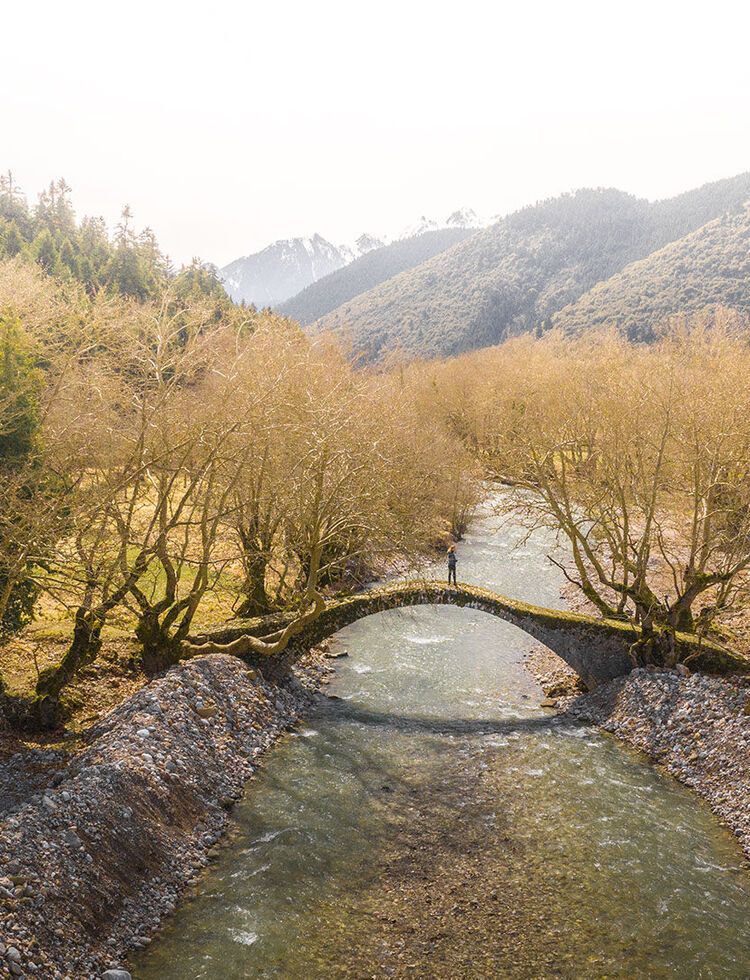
[(597, 649)]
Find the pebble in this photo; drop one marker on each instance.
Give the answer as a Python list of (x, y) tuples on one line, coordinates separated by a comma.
[(71, 837)]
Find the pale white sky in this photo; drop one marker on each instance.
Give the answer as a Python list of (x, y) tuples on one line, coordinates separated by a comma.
[(226, 125)]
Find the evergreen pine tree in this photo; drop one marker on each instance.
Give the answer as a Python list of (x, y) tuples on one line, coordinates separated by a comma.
[(11, 242), (19, 423), (13, 205), (68, 260), (95, 253), (45, 252)]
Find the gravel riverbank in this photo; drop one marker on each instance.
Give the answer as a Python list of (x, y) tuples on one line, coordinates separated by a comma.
[(696, 726), (91, 864)]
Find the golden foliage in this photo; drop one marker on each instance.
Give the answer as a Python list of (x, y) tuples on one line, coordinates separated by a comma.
[(179, 453), (639, 455)]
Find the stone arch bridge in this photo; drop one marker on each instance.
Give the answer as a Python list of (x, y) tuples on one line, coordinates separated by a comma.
[(597, 649)]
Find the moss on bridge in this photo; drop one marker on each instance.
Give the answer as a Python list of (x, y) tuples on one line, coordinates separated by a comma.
[(598, 649)]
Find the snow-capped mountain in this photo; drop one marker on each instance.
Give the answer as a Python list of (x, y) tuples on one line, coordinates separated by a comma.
[(282, 269), (418, 227), (366, 243), (463, 218), (286, 267), (339, 288)]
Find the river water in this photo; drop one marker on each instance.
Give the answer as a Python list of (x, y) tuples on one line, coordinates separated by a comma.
[(431, 820)]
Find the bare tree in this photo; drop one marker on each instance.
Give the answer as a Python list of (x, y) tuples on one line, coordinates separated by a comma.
[(180, 449), (639, 456)]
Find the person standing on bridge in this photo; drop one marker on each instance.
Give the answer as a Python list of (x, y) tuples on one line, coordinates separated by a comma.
[(452, 562)]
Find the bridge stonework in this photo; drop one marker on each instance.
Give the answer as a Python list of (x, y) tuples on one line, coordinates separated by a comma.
[(597, 649)]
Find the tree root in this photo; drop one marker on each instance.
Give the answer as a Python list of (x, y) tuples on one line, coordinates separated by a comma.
[(266, 646)]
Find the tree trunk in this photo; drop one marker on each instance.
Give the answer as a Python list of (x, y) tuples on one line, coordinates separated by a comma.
[(159, 649), (256, 601), (83, 649), (682, 620)]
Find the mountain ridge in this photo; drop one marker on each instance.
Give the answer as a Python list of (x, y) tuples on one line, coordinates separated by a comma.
[(515, 275), (344, 284), (707, 268), (280, 270), (287, 266)]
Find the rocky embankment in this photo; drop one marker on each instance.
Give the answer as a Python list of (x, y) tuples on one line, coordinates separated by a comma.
[(92, 863), (695, 725)]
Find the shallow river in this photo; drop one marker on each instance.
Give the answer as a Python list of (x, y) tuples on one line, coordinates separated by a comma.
[(435, 822)]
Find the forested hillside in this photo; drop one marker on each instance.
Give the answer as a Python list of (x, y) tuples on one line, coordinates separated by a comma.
[(708, 268), (368, 271), (129, 263), (678, 216), (514, 276)]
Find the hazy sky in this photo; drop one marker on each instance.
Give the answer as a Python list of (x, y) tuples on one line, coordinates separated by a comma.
[(227, 125)]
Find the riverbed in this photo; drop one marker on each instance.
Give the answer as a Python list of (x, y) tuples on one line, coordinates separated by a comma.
[(430, 819)]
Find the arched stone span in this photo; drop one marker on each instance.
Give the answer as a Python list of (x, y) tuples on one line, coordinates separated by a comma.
[(598, 649)]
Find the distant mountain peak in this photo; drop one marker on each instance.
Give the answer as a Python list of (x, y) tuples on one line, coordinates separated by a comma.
[(376, 265), (418, 227), (463, 218), (282, 269), (367, 242)]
